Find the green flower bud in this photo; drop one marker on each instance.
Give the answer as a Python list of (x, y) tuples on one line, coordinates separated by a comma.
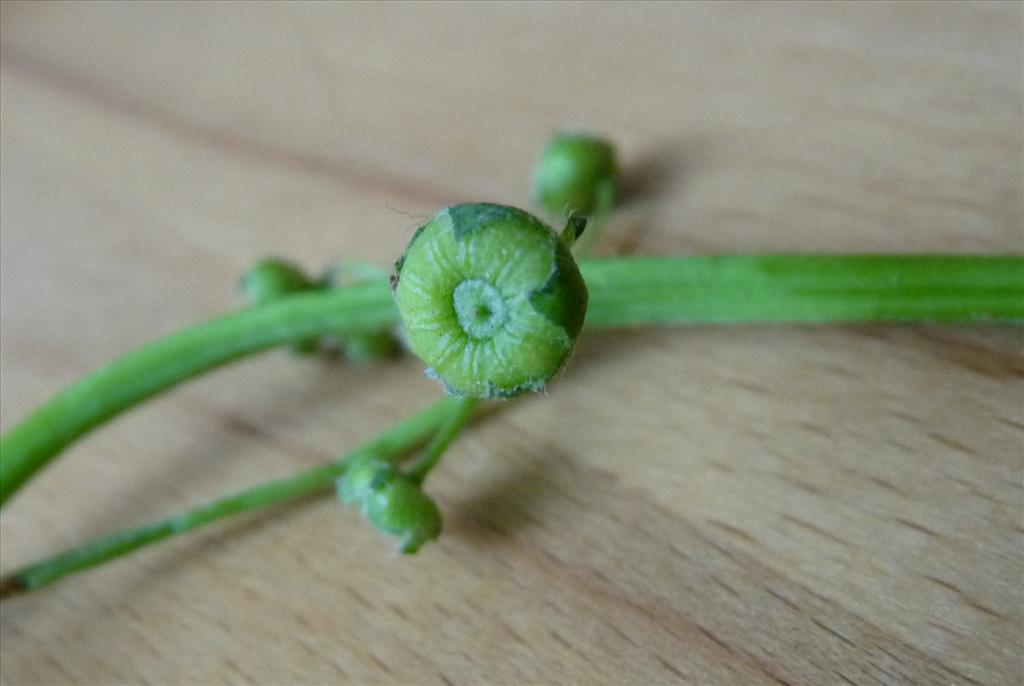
[(270, 279), (390, 501), (491, 299), (273, 278), (576, 173), (400, 508)]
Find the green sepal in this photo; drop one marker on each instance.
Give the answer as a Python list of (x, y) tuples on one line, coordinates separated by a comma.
[(563, 299), (474, 216), (575, 225), (364, 475)]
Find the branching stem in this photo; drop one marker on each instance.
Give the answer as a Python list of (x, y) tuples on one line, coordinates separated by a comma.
[(623, 292), (389, 445)]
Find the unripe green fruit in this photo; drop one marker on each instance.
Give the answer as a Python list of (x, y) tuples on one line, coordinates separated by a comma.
[(400, 508), (576, 173), (390, 501), (491, 299)]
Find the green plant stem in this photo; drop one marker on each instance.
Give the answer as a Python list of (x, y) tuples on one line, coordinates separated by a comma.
[(804, 288), (460, 412), (166, 362), (623, 292), (390, 445)]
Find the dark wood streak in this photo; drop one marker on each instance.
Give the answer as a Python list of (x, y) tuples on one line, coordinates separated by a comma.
[(816, 529), (512, 633), (953, 443), (337, 666), (568, 646), (356, 177), (967, 599), (918, 527), (380, 663), (1012, 423), (743, 655), (725, 587), (887, 485), (56, 664), (738, 533), (625, 637), (812, 428), (946, 628), (844, 677), (671, 667), (971, 355), (747, 562), (824, 627), (360, 597), (909, 418), (397, 609), (237, 668), (672, 623)]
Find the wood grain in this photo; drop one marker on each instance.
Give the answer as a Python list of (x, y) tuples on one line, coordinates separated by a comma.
[(712, 505)]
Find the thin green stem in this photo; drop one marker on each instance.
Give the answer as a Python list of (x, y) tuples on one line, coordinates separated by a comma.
[(390, 445), (623, 292), (460, 412), (157, 366)]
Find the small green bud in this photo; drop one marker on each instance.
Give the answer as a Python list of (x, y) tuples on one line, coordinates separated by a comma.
[(491, 298), (400, 508), (576, 173), (272, 278), (390, 501)]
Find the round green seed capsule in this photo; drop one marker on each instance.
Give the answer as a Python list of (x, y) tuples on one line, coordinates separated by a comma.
[(576, 173), (491, 299)]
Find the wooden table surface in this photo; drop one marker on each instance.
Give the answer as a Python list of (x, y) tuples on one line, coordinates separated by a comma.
[(713, 505)]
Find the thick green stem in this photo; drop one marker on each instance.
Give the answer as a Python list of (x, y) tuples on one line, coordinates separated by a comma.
[(389, 445), (804, 288), (623, 292)]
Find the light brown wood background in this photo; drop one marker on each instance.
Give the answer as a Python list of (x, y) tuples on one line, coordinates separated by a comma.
[(714, 505)]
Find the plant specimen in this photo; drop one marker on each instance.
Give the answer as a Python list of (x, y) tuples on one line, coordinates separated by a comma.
[(493, 300)]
